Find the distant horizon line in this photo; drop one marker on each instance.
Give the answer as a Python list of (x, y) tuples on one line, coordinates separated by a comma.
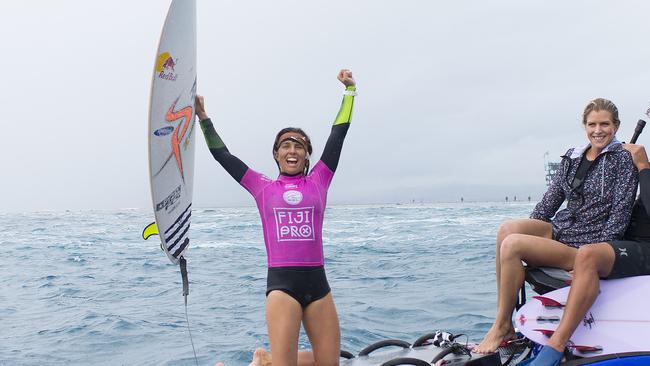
[(253, 206)]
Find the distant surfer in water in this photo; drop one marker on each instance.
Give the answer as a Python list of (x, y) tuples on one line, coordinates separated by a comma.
[(612, 259), (292, 209), (599, 182)]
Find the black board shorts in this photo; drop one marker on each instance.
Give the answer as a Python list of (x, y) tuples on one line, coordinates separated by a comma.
[(304, 284), (632, 258)]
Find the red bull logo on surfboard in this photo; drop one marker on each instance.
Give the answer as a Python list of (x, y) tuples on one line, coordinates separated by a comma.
[(165, 67)]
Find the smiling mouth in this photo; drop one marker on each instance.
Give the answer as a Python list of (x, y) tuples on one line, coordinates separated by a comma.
[(293, 162)]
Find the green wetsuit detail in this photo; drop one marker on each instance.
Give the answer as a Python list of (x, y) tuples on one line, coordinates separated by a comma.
[(334, 144), (235, 167), (211, 136), (345, 113)]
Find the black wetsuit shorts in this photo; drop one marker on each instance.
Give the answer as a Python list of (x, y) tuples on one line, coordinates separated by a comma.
[(304, 284), (632, 258)]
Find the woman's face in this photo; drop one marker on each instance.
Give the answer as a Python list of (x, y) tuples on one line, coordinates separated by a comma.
[(600, 129), (291, 154)]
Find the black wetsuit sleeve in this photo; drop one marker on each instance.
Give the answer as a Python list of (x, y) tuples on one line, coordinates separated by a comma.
[(644, 183), (332, 150), (235, 167)]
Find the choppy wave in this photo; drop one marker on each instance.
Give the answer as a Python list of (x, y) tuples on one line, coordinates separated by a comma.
[(83, 288)]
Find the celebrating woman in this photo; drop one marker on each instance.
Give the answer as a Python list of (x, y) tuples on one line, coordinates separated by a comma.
[(292, 208)]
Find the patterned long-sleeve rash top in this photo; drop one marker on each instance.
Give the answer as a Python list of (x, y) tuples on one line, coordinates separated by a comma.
[(291, 207), (598, 211)]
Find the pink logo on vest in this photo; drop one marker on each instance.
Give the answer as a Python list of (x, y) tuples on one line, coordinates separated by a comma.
[(294, 224)]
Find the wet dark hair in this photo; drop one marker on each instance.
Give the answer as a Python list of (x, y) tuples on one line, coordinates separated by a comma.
[(307, 143)]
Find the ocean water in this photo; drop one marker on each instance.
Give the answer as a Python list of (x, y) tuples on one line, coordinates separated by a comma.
[(83, 288)]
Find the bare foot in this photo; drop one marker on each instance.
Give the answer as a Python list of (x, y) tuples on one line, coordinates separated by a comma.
[(261, 358), (219, 364), (494, 337)]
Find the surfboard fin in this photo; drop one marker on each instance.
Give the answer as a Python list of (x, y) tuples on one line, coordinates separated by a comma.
[(586, 349), (546, 332), (548, 302), (149, 230)]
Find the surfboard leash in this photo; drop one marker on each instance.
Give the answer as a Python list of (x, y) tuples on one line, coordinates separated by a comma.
[(186, 291)]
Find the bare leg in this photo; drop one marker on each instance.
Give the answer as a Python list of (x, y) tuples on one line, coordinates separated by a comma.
[(592, 262), (283, 316), (515, 248), (519, 226), (322, 327)]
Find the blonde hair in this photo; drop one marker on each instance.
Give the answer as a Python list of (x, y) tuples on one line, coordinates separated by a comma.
[(601, 104)]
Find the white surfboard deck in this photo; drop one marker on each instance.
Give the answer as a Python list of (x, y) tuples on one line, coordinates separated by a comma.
[(619, 320), (171, 128)]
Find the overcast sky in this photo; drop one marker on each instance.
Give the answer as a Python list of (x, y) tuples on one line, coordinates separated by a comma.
[(456, 98)]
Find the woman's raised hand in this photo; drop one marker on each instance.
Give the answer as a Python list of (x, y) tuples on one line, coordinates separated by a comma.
[(199, 106), (345, 76)]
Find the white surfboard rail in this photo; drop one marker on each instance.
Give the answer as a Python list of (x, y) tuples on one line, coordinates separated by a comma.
[(171, 128)]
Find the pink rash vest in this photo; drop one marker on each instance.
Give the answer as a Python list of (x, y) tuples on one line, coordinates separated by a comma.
[(292, 210)]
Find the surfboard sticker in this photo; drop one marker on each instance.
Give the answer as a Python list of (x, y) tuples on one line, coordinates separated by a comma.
[(171, 128), (619, 320)]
